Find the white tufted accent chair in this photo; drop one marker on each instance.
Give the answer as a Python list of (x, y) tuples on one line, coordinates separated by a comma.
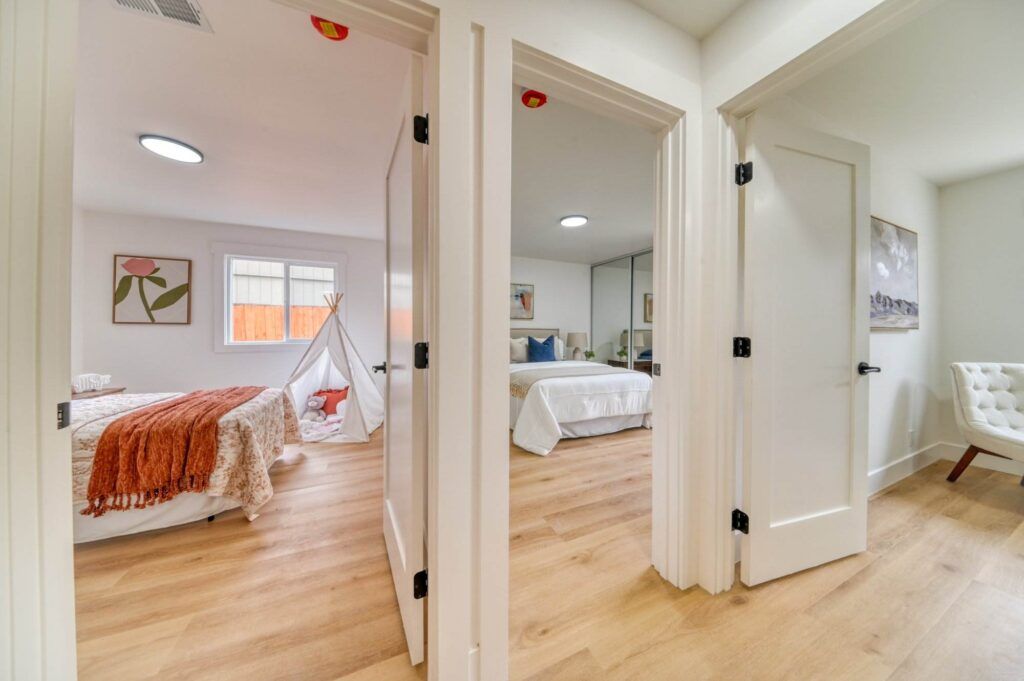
[(989, 403)]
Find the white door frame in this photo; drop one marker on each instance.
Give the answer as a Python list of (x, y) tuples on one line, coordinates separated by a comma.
[(37, 83), (723, 136), (671, 545)]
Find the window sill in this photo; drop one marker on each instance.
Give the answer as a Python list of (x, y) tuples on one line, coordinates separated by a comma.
[(285, 346)]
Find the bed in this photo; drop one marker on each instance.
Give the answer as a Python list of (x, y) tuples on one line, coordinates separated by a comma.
[(250, 438), (570, 399)]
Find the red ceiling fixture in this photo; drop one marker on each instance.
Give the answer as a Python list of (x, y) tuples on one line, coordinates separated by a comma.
[(329, 29), (534, 99)]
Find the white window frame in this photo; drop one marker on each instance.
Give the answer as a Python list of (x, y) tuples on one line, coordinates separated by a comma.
[(225, 253)]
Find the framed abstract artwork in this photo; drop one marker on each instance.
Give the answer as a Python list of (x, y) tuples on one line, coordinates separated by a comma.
[(648, 308), (150, 290), (521, 301), (894, 285)]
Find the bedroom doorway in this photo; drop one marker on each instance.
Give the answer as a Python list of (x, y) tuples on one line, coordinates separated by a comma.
[(272, 234), (583, 346)]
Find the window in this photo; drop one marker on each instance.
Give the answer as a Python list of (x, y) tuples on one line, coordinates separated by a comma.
[(276, 301)]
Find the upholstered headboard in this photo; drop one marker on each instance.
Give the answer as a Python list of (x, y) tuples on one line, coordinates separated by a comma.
[(536, 333)]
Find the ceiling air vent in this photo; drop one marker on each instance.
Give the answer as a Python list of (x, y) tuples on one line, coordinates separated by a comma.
[(181, 12)]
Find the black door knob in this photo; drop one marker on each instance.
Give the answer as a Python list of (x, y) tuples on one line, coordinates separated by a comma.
[(864, 368), (382, 368)]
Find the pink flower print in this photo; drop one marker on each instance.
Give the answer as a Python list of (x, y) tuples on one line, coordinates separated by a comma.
[(140, 267)]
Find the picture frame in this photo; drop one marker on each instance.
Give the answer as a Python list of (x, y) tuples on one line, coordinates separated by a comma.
[(151, 290), (521, 301), (648, 308), (895, 280)]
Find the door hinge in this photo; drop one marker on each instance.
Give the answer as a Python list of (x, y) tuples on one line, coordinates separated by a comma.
[(744, 172), (740, 521), (421, 128), (63, 415), (740, 346), (421, 359), (419, 585), (656, 369)]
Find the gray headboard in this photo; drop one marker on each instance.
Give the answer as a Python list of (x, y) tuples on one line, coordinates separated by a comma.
[(536, 333)]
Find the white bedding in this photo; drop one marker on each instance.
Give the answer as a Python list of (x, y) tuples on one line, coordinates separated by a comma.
[(577, 406)]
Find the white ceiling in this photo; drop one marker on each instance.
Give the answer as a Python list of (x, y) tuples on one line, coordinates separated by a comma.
[(297, 130), (944, 93), (696, 17), (568, 161)]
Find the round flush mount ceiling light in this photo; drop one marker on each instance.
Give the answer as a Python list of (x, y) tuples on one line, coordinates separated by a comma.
[(572, 221), (171, 148)]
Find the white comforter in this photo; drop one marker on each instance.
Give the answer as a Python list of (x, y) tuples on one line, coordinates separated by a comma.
[(558, 407)]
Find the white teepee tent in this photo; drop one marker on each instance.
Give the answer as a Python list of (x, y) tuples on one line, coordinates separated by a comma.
[(331, 362)]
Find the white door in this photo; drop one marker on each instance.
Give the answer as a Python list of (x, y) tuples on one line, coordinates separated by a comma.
[(405, 416), (806, 252)]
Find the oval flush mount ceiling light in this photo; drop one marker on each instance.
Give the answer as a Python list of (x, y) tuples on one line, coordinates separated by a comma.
[(574, 221), (170, 148)]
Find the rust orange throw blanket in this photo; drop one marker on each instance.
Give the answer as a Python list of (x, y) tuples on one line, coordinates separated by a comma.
[(153, 454)]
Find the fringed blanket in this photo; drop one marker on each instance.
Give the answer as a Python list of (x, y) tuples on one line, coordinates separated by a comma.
[(155, 453), (520, 382)]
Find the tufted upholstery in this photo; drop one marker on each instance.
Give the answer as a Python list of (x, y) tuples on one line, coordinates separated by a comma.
[(989, 403)]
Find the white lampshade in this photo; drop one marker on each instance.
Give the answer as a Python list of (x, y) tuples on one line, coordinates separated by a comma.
[(638, 339), (576, 339)]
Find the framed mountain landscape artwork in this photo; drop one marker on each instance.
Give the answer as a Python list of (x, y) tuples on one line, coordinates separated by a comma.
[(150, 290), (894, 286)]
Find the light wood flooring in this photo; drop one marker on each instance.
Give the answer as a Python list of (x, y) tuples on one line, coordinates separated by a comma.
[(305, 593), (938, 596)]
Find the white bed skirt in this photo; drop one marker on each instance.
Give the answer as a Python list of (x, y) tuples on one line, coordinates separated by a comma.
[(184, 508), (605, 425), (538, 441)]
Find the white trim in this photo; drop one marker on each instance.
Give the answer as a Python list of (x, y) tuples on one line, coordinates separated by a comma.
[(891, 473), (885, 476), (222, 254), (38, 43)]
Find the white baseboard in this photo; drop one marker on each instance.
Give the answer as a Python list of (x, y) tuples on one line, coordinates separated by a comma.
[(891, 473)]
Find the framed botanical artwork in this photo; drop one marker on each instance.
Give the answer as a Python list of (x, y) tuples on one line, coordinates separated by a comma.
[(149, 290), (648, 308), (521, 301), (894, 284)]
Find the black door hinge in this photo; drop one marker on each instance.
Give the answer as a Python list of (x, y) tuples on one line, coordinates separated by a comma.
[(421, 359), (656, 369), (63, 415), (740, 347), (744, 172), (419, 585), (740, 521), (421, 129)]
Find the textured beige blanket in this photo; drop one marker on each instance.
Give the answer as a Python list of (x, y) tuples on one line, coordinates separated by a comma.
[(521, 381), (249, 439)]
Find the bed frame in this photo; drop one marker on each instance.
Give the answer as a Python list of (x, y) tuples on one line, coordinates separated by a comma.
[(536, 333)]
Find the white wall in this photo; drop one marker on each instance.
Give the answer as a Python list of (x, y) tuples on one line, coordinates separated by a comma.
[(146, 358), (982, 227), (561, 294)]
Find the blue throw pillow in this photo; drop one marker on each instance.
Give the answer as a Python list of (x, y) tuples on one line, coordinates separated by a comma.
[(541, 352), (646, 354)]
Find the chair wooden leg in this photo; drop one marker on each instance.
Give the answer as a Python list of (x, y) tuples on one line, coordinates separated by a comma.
[(963, 463)]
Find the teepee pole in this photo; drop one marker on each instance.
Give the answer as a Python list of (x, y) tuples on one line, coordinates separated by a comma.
[(333, 301)]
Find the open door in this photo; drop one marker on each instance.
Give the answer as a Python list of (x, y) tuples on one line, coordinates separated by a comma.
[(405, 420), (806, 294)]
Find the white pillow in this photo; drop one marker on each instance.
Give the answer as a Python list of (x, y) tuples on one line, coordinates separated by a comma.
[(518, 349)]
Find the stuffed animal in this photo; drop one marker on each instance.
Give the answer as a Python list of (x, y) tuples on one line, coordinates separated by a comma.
[(315, 409)]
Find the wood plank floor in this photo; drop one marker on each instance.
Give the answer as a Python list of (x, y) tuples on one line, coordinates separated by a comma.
[(305, 593), (939, 594)]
